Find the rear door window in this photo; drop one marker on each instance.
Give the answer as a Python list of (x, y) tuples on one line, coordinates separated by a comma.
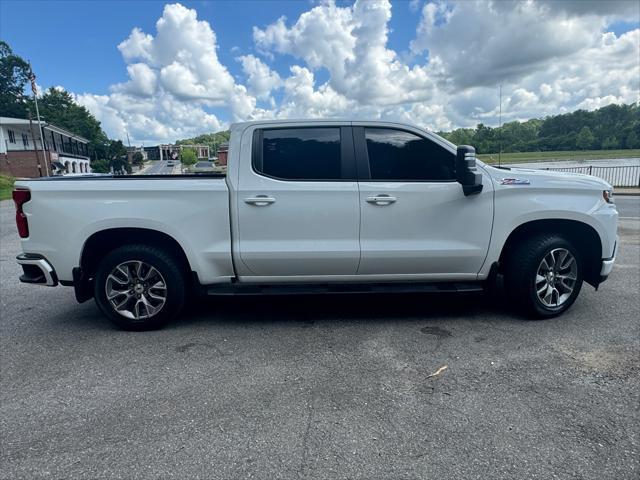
[(299, 153)]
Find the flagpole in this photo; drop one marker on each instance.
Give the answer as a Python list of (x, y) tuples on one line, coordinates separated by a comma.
[(34, 89), (500, 131)]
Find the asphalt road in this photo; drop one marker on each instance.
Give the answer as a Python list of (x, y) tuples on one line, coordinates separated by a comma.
[(322, 387), (160, 167), (628, 206)]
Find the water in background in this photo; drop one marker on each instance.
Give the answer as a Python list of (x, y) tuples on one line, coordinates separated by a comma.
[(604, 162), (619, 172)]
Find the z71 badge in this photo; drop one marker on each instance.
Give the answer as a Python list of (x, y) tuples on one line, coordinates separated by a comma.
[(514, 181)]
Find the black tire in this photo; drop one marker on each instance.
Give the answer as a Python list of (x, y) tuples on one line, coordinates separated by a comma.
[(172, 277), (522, 264)]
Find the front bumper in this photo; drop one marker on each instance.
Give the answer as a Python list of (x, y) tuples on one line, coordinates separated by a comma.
[(607, 264), (37, 270)]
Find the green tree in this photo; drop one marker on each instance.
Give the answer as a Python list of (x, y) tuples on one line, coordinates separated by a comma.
[(59, 108), (137, 159), (610, 143), (188, 157), (632, 140), (14, 75), (213, 140), (585, 139), (117, 157), (611, 126), (100, 166)]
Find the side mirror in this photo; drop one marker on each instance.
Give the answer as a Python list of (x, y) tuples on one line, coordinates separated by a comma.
[(467, 174)]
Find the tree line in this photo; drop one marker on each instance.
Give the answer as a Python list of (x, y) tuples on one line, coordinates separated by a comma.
[(607, 128), (610, 127), (56, 107), (213, 140)]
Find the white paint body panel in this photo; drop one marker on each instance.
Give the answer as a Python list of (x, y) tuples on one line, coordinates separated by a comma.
[(550, 195), (426, 230), (62, 215), (315, 231), (311, 229)]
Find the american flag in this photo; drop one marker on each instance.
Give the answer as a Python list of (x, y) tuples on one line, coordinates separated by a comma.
[(34, 88)]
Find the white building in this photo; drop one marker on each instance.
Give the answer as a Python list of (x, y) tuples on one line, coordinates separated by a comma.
[(21, 152)]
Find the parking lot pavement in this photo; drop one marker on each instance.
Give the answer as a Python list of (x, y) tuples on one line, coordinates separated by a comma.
[(322, 387), (628, 206), (160, 167)]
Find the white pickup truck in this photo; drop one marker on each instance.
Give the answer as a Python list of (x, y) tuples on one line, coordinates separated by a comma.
[(319, 206)]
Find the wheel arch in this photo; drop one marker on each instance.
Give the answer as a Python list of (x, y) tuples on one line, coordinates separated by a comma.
[(582, 235), (101, 242)]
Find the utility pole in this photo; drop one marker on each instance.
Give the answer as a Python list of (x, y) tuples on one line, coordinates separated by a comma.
[(500, 130), (35, 145), (34, 89)]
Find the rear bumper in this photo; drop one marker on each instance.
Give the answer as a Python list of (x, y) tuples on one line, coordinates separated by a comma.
[(37, 270)]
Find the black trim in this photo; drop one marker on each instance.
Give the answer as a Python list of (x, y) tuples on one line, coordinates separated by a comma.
[(30, 256), (347, 155), (76, 178), (347, 159), (341, 287), (32, 273), (82, 285), (362, 156), (256, 152)]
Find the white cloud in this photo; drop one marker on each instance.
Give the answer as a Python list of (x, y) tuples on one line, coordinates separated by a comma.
[(137, 47), (261, 79), (550, 57), (483, 43), (142, 80), (174, 77), (351, 43)]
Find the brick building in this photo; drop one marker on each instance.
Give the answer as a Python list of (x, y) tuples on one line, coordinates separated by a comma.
[(21, 152), (223, 151), (173, 152)]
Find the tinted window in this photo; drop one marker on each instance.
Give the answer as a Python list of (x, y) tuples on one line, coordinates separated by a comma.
[(301, 153), (399, 155)]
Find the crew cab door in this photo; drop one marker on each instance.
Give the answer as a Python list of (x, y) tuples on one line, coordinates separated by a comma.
[(416, 219), (297, 203)]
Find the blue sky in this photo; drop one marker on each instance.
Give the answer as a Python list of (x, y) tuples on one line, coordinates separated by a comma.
[(435, 64), (74, 43)]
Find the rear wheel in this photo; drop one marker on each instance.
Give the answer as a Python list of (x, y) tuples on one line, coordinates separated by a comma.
[(543, 276), (139, 287)]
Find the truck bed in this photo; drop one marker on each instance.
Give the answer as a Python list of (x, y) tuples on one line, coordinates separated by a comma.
[(193, 209)]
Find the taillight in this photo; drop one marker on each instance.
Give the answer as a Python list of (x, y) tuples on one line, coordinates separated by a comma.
[(20, 197)]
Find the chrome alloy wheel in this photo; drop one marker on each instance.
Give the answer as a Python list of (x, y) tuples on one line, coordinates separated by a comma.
[(136, 290), (556, 277)]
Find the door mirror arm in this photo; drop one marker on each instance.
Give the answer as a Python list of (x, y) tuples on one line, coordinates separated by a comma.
[(467, 173)]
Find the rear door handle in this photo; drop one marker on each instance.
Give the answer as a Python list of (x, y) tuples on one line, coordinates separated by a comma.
[(382, 199), (260, 200)]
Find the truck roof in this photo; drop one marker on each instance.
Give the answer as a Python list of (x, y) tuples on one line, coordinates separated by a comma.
[(339, 121), (325, 121)]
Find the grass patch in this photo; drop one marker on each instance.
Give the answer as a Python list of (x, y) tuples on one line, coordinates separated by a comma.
[(6, 187), (520, 157)]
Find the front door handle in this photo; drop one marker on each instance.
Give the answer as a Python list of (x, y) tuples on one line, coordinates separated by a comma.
[(260, 200), (382, 199)]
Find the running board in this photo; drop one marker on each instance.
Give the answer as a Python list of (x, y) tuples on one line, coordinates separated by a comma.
[(332, 288)]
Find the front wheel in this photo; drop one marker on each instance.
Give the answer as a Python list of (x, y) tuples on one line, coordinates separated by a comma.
[(543, 276), (139, 287)]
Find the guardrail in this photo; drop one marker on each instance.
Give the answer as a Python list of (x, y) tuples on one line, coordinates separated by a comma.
[(621, 176)]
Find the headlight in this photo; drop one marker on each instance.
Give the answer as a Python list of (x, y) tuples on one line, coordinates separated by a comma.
[(608, 196)]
